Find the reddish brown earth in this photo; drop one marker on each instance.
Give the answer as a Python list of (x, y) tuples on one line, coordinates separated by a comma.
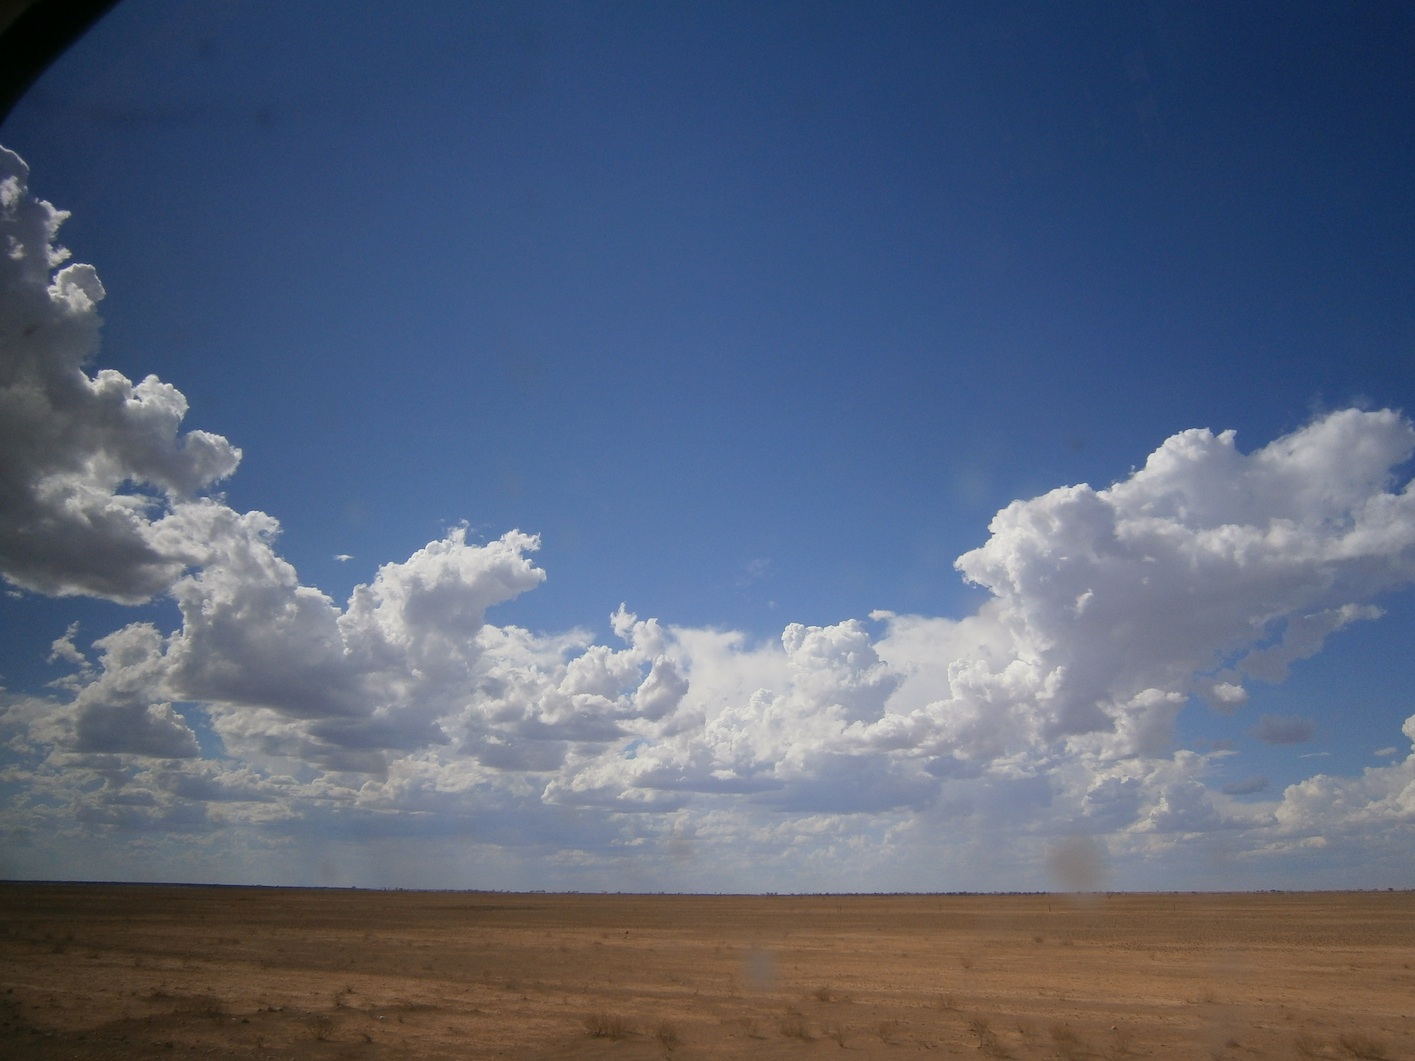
[(104, 971)]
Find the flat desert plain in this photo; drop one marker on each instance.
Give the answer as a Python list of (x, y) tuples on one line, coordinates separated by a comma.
[(120, 971)]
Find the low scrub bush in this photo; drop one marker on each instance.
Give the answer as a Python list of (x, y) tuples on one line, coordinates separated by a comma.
[(1069, 1045), (989, 1045), (667, 1035), (795, 1027), (1359, 1044), (605, 1026)]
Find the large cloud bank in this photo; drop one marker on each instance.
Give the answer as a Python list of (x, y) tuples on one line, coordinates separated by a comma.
[(85, 463), (835, 756)]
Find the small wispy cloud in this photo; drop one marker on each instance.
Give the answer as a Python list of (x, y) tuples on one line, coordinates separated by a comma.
[(754, 571)]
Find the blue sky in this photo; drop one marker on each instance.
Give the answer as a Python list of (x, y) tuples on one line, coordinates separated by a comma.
[(756, 316)]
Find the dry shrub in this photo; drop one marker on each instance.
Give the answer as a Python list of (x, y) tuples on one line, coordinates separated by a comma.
[(988, 1042), (605, 1026), (825, 993), (1359, 1044), (60, 944), (1119, 1047), (321, 1025), (794, 1026), (1069, 1045), (208, 1005), (836, 1032), (887, 1031), (667, 1035), (1308, 1046)]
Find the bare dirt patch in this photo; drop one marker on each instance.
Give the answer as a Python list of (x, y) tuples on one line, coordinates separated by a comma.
[(120, 971)]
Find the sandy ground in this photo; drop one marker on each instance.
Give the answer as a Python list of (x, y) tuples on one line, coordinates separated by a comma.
[(100, 971)]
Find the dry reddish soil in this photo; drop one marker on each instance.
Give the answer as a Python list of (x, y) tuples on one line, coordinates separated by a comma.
[(114, 971)]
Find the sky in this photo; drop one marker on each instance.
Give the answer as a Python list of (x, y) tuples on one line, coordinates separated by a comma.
[(712, 447)]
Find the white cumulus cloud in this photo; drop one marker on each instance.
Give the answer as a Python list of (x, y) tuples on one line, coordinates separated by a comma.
[(1047, 715), (1205, 564), (93, 469)]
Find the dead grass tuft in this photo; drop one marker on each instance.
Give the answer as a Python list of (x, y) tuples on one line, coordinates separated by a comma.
[(1119, 1046), (61, 944), (208, 1005), (667, 1035), (1359, 1044), (606, 1026), (1308, 1046), (1069, 1045), (989, 1045), (794, 1026)]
